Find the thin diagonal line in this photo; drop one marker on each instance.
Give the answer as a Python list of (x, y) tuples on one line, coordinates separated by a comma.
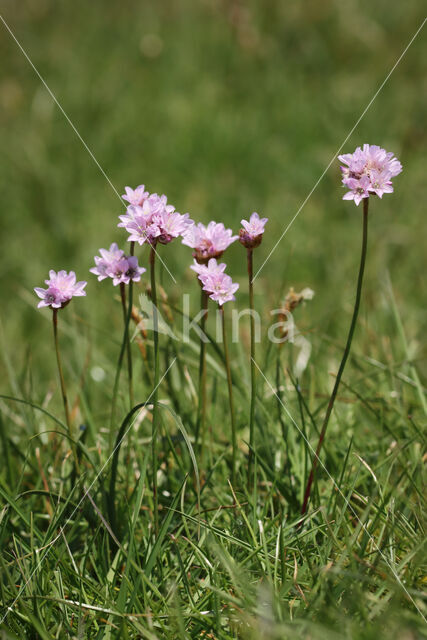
[(42, 80), (341, 146), (347, 503), (82, 499), (52, 95)]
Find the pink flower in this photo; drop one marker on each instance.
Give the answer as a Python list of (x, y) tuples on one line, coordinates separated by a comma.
[(114, 264), (218, 284), (367, 171), (172, 225), (208, 242), (104, 263), (136, 196), (62, 286), (50, 297), (251, 234), (125, 270), (138, 222), (211, 267), (380, 182), (154, 221), (359, 189)]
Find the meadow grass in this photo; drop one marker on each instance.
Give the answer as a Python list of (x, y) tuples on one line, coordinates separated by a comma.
[(82, 560), (227, 110)]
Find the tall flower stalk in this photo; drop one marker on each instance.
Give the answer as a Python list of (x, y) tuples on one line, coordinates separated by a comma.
[(64, 391), (253, 368), (220, 288), (201, 404), (208, 242), (250, 237), (149, 219), (61, 288), (367, 171), (154, 427), (128, 347), (343, 361), (127, 314), (230, 396), (122, 270)]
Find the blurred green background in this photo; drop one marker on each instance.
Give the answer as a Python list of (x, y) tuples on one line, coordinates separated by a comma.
[(228, 108)]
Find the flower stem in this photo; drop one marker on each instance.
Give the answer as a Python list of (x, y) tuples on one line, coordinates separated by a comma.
[(130, 369), (128, 349), (156, 384), (125, 345), (64, 391), (344, 358), (253, 369), (230, 396), (201, 407)]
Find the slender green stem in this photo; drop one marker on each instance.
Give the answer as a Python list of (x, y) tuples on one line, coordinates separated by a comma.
[(130, 370), (129, 361), (154, 396), (64, 391), (230, 396), (201, 407), (253, 367), (128, 349), (125, 345), (344, 358)]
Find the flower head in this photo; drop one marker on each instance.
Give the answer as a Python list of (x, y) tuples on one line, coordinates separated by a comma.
[(367, 171), (138, 222), (136, 196), (172, 225), (380, 182), (251, 234), (154, 221), (125, 270), (208, 242), (207, 269), (359, 188), (105, 262), (114, 264), (61, 287), (216, 283)]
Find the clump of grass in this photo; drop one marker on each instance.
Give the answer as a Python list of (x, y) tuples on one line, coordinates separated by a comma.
[(139, 547)]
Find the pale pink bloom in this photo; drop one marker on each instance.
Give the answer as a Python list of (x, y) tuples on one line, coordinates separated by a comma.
[(125, 270), (251, 234), (138, 222), (50, 297), (218, 284), (356, 162), (159, 204), (135, 212), (206, 269), (380, 182), (104, 263), (358, 189), (114, 264), (380, 160), (208, 242), (367, 171), (62, 286), (172, 225), (221, 288), (136, 196), (154, 221)]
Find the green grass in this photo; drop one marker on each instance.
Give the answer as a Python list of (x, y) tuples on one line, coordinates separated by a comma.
[(227, 109)]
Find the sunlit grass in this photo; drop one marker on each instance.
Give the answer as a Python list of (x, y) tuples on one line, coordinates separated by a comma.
[(228, 111)]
